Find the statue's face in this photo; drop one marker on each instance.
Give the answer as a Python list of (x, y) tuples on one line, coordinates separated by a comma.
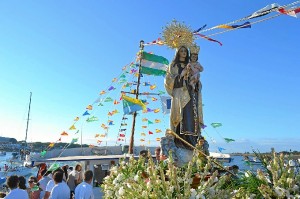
[(194, 57), (182, 53)]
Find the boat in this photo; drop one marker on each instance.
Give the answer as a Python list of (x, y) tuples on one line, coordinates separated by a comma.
[(252, 160), (222, 157), (19, 160)]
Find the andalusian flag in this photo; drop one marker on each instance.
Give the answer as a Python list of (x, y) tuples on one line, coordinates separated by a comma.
[(154, 64)]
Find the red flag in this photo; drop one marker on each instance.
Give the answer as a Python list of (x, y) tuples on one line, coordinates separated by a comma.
[(122, 135), (150, 132)]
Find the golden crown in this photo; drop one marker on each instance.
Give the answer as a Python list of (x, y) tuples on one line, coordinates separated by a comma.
[(177, 34), (194, 49)]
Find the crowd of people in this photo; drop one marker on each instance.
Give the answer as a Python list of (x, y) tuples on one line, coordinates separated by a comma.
[(61, 183)]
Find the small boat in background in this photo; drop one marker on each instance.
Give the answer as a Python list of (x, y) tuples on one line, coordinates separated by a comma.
[(252, 160), (222, 157)]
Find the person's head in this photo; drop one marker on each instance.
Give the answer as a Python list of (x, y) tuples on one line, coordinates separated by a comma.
[(71, 168), (157, 153), (12, 182), (32, 181), (58, 177), (201, 141), (143, 153), (194, 57), (22, 182), (182, 55), (235, 168), (78, 167), (88, 176)]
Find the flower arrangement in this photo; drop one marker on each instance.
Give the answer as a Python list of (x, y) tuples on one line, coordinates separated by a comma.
[(143, 178)]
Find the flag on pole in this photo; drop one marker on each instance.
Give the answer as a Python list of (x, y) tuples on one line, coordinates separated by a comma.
[(154, 64), (166, 104), (131, 105)]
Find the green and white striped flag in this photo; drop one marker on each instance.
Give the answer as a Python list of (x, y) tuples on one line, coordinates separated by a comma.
[(154, 64)]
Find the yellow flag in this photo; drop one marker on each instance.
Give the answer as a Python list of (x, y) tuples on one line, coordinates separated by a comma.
[(72, 127)]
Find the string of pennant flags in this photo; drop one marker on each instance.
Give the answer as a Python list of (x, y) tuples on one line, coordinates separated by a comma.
[(292, 9)]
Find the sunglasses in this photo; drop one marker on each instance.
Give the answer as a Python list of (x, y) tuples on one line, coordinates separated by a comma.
[(30, 181)]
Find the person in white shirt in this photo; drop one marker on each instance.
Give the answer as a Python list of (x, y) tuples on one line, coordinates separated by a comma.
[(74, 178), (12, 183), (44, 181), (61, 190), (50, 184), (85, 190)]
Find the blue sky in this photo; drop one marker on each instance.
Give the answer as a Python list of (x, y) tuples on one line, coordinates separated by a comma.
[(66, 52)]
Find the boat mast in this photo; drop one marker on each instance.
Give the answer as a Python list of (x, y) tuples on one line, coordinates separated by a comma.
[(131, 143), (28, 120)]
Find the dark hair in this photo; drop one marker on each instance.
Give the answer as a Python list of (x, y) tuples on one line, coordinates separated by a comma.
[(22, 182), (235, 167), (12, 181), (144, 153), (2, 194), (88, 175), (176, 59), (58, 176), (77, 166), (64, 168), (44, 172)]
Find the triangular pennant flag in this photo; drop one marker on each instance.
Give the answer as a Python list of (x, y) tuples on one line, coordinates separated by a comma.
[(85, 113), (156, 110), (76, 119), (143, 134), (64, 133), (157, 121), (74, 140), (122, 135), (77, 131), (92, 119), (150, 133), (149, 122), (152, 87), (216, 124), (51, 145), (229, 140), (144, 127), (123, 124), (97, 135), (221, 149), (114, 79), (108, 99), (102, 92), (72, 127), (157, 130), (89, 107), (116, 102), (154, 99), (158, 139), (144, 120), (111, 88)]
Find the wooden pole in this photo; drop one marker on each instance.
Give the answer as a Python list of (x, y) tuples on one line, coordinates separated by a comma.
[(131, 143), (206, 156)]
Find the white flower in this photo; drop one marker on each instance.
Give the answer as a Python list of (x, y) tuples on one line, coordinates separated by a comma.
[(109, 193), (216, 179), (279, 191), (193, 194), (120, 177), (129, 185), (115, 181), (136, 178), (121, 191), (123, 163), (148, 184), (171, 189), (212, 191), (295, 188), (200, 196)]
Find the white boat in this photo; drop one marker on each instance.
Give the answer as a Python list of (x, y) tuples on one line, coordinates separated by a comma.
[(252, 160), (222, 157)]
